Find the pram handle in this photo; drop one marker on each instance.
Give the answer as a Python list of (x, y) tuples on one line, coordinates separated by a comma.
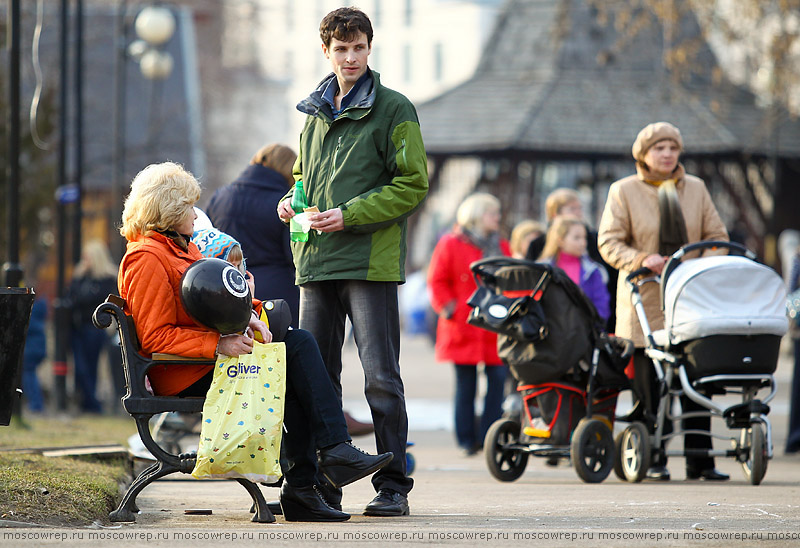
[(677, 257), (637, 273), (710, 244)]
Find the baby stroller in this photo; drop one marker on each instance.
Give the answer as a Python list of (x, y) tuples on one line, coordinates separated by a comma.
[(568, 370), (724, 319)]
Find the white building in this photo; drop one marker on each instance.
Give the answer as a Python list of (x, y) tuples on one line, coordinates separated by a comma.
[(420, 47)]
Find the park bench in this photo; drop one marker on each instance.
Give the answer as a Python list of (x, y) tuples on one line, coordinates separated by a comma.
[(142, 405)]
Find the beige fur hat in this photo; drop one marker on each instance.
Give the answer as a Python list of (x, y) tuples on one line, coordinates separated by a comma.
[(653, 133)]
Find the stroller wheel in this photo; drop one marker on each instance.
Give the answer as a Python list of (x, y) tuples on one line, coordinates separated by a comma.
[(592, 450), (505, 462), (633, 453), (618, 470), (753, 439)]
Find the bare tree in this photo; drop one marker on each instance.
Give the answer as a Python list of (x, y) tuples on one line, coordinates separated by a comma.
[(757, 42)]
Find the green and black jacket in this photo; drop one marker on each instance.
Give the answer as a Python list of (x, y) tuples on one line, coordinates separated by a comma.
[(371, 163)]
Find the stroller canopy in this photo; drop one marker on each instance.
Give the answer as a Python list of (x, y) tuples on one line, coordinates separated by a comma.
[(723, 295), (571, 318)]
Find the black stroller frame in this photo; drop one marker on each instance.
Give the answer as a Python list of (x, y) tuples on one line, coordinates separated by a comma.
[(637, 448), (512, 300)]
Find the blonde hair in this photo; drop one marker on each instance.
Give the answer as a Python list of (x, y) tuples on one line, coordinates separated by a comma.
[(557, 232), (278, 157), (235, 254), (95, 261), (520, 234), (558, 199), (472, 209), (158, 201)]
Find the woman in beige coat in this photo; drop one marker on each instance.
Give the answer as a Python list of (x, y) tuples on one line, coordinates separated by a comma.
[(631, 235)]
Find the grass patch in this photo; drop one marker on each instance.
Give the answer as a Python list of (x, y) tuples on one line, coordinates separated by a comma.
[(58, 491), (61, 491), (66, 431)]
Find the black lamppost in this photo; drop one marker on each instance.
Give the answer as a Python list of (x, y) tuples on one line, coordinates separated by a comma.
[(12, 270), (63, 193), (78, 150), (10, 372), (118, 155)]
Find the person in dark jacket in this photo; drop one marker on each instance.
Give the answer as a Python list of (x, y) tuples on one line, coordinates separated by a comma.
[(35, 351), (94, 278), (244, 209)]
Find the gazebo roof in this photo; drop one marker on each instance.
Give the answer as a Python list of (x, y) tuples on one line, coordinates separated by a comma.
[(541, 89)]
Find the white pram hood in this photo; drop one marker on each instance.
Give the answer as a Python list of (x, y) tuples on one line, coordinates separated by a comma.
[(724, 295)]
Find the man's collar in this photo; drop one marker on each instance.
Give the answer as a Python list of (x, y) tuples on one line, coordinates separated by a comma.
[(332, 88), (330, 91)]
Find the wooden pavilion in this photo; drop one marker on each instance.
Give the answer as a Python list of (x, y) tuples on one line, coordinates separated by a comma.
[(559, 91)]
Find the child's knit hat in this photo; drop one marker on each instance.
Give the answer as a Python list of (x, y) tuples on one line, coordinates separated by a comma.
[(214, 243)]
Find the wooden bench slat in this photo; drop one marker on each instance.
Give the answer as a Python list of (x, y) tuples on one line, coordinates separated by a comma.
[(161, 357)]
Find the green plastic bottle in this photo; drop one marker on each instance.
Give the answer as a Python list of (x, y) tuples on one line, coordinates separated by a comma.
[(299, 203)]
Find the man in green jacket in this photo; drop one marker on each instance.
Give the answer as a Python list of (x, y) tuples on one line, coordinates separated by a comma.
[(363, 164)]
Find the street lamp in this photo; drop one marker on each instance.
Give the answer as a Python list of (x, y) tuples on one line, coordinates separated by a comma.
[(155, 64), (154, 25)]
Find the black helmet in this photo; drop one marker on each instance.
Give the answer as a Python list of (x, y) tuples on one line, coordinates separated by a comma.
[(216, 295)]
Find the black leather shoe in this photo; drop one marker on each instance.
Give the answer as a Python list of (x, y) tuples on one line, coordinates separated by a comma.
[(709, 474), (331, 494), (344, 463), (307, 504), (657, 473), (388, 503)]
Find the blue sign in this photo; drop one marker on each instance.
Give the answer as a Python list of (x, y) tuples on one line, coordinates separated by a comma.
[(67, 194)]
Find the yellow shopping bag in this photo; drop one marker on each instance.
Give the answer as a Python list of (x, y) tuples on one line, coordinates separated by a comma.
[(240, 435)]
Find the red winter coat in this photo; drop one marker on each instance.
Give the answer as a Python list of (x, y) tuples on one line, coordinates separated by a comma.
[(450, 281)]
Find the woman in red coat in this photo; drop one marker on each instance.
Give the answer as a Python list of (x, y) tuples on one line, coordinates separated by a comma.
[(450, 283)]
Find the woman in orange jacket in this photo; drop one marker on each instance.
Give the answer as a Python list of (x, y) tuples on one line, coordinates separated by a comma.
[(158, 222)]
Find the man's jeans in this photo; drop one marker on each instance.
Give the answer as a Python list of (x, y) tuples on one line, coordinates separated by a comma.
[(372, 309)]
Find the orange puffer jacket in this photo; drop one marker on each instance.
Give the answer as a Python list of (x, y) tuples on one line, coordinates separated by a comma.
[(149, 281)]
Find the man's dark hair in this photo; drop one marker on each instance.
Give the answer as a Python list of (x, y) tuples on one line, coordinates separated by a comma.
[(344, 24)]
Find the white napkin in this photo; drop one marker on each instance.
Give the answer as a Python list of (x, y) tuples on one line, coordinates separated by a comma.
[(303, 220)]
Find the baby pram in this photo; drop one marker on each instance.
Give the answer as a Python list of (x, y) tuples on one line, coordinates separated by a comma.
[(724, 319), (568, 370)]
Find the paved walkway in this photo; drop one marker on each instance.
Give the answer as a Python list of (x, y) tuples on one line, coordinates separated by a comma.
[(456, 502)]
